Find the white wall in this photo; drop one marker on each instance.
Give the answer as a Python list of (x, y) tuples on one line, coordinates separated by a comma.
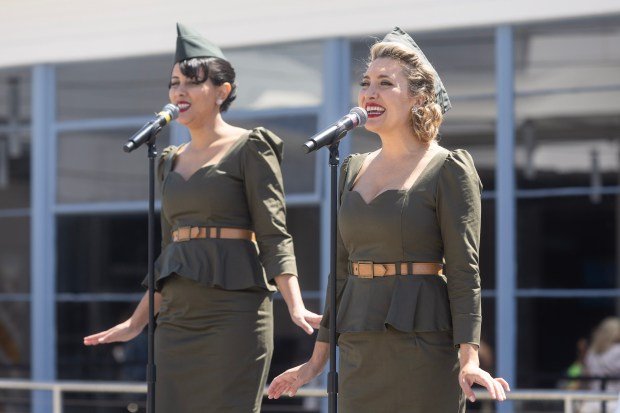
[(35, 31)]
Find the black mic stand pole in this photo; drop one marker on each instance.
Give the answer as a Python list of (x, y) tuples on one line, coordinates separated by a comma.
[(332, 378), (150, 368)]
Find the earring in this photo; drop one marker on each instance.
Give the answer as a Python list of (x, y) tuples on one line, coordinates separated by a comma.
[(219, 102)]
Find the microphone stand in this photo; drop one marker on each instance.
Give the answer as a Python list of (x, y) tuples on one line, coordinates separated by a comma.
[(332, 378), (150, 367)]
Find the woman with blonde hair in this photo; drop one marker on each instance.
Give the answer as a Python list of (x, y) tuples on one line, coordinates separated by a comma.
[(408, 326), (603, 360)]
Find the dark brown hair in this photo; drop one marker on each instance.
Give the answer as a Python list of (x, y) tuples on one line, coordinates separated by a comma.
[(220, 71)]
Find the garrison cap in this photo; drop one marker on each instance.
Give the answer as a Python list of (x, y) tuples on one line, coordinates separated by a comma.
[(192, 44), (398, 35)]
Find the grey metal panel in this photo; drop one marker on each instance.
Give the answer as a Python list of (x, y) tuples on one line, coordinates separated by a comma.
[(336, 104), (505, 214), (43, 288)]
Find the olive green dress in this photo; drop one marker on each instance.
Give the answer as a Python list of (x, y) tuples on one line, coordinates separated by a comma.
[(398, 335), (214, 335)]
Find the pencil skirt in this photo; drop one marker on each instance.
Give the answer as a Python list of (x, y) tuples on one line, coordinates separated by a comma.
[(213, 348)]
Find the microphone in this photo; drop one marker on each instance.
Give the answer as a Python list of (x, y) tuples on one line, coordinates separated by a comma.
[(152, 128), (356, 117)]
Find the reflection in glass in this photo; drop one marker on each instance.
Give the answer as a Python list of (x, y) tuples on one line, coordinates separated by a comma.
[(15, 138), (14, 353), (112, 88), (298, 168), (92, 167), (304, 225), (111, 362), (278, 76), (14, 339), (102, 253), (14, 255), (563, 55), (487, 336), (283, 75), (567, 243), (576, 152), (548, 332), (116, 361), (568, 100), (487, 245)]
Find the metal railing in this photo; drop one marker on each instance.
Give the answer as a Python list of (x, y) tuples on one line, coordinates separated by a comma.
[(57, 389)]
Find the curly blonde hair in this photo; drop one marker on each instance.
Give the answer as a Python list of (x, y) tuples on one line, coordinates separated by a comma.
[(425, 119)]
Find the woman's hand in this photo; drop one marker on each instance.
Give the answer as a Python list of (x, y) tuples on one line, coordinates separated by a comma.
[(122, 332), (289, 288), (292, 379), (305, 319), (129, 329), (471, 373)]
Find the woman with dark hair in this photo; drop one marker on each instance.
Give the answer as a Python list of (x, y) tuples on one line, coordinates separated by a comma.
[(408, 285), (225, 248)]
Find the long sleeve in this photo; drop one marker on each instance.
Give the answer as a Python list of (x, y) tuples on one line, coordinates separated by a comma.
[(459, 215), (265, 196), (342, 263)]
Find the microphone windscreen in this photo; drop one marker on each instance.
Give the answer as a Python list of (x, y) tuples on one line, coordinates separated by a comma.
[(361, 115), (173, 110)]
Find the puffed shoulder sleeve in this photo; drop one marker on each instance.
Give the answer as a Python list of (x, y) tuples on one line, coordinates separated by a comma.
[(459, 213), (164, 165), (342, 263), (265, 195)]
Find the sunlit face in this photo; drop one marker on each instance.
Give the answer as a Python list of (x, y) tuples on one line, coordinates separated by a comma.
[(196, 101), (385, 95)]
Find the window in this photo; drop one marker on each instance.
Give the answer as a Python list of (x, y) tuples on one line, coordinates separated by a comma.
[(92, 167)]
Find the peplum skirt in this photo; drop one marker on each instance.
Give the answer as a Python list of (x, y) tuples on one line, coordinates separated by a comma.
[(213, 348)]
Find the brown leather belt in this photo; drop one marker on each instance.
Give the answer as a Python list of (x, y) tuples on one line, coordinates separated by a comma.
[(369, 269), (188, 233)]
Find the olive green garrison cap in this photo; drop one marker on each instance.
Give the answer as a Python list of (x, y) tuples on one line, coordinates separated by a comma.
[(192, 44)]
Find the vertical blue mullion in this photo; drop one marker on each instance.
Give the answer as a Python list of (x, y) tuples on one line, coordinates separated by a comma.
[(505, 304), (43, 288), (336, 84)]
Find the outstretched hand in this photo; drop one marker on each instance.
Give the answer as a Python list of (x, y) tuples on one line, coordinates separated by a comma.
[(121, 332), (291, 380), (471, 373)]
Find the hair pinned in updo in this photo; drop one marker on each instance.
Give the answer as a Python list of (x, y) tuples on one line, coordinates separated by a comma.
[(426, 118), (220, 71)]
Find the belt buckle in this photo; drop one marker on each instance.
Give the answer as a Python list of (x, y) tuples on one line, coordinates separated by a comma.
[(184, 234), (359, 269)]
